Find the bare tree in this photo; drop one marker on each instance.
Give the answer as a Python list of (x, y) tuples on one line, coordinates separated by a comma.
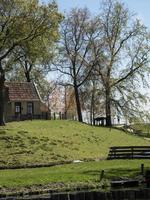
[(92, 96), (76, 61), (122, 58)]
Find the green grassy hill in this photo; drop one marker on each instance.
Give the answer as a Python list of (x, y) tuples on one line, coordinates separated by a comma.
[(37, 142)]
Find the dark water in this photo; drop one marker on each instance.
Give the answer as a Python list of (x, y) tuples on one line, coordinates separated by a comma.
[(134, 194)]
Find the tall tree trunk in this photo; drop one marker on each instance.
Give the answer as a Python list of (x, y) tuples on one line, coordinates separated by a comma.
[(78, 105), (27, 74), (2, 97), (92, 110), (108, 108), (93, 115), (65, 113)]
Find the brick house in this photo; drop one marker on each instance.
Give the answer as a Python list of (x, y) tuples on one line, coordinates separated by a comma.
[(24, 102)]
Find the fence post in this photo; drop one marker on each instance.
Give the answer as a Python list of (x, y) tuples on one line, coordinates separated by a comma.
[(102, 175), (132, 149), (142, 169), (114, 152)]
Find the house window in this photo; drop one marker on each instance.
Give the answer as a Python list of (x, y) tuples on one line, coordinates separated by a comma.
[(18, 107), (30, 108)]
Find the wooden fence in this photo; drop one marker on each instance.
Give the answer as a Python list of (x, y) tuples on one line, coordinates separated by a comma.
[(129, 152)]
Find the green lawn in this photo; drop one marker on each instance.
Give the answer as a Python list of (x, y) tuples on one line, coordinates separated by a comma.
[(69, 176), (37, 142)]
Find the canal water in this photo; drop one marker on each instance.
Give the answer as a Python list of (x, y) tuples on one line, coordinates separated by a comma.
[(127, 194)]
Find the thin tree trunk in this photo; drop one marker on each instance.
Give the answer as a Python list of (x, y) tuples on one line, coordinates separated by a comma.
[(93, 114), (65, 113), (108, 108), (2, 97), (92, 111), (93, 102), (78, 105)]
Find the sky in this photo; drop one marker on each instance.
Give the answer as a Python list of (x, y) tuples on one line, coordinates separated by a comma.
[(140, 7)]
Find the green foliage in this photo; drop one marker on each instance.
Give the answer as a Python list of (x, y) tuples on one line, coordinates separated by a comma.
[(27, 29)]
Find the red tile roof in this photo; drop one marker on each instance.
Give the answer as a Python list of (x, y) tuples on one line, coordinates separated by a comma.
[(22, 91)]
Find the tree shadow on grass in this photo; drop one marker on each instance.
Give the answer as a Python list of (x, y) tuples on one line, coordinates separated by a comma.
[(114, 173), (92, 172)]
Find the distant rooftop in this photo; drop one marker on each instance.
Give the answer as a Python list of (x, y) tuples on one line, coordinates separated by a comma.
[(22, 91)]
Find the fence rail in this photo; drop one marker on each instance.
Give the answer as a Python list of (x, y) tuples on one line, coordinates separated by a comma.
[(129, 152)]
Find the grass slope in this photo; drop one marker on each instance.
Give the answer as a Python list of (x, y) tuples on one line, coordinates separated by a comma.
[(34, 142)]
